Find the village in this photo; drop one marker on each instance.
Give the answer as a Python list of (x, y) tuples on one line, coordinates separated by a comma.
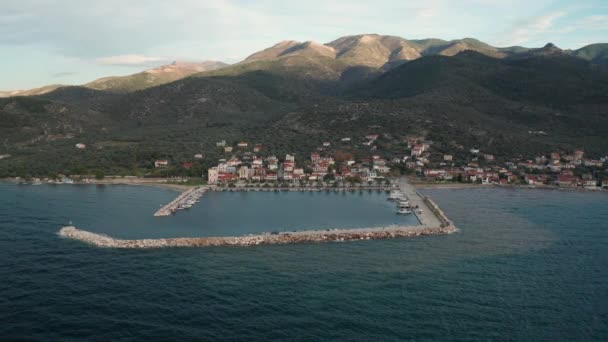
[(247, 166), (357, 162)]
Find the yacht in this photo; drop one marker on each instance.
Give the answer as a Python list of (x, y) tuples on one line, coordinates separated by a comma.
[(404, 211), (395, 195)]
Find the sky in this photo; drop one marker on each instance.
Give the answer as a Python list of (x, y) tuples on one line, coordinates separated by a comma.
[(76, 41)]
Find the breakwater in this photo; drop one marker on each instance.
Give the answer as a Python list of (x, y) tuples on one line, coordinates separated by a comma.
[(312, 236)]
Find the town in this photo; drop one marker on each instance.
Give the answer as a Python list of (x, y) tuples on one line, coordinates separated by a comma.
[(245, 166)]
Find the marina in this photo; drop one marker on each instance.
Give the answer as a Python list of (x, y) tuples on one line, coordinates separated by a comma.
[(431, 219)]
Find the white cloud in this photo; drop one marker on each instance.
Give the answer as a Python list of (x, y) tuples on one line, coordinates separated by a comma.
[(594, 22), (132, 60), (532, 29)]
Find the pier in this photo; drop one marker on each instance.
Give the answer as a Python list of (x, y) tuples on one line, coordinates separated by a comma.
[(185, 200)]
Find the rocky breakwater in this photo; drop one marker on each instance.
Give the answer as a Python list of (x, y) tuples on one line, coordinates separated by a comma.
[(315, 236)]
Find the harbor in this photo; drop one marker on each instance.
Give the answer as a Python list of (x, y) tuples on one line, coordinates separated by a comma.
[(432, 221)]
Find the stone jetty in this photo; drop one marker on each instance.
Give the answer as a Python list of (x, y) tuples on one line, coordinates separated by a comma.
[(312, 236)]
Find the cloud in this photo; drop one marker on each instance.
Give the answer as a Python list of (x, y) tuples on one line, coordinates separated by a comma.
[(532, 29), (63, 74), (132, 60), (594, 22)]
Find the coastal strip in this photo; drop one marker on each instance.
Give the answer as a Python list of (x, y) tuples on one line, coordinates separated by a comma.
[(311, 236)]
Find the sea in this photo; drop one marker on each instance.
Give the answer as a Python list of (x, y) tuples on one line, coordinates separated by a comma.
[(525, 265)]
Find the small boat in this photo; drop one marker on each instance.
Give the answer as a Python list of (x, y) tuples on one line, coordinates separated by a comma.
[(404, 211), (404, 204)]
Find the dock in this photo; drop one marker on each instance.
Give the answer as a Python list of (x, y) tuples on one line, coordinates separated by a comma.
[(185, 200)]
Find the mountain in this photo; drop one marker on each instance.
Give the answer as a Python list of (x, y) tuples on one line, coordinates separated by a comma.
[(146, 79), (30, 92), (596, 53), (292, 96), (153, 77)]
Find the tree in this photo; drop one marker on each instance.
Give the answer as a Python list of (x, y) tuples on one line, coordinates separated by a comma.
[(99, 175)]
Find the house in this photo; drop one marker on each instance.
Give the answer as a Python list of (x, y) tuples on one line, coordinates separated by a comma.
[(447, 157), (257, 162), (228, 149), (242, 144), (326, 143), (594, 163), (566, 181), (273, 164), (417, 150), (271, 177), (81, 146), (212, 175), (315, 157), (382, 169), (257, 148), (161, 163), (290, 157), (474, 150), (220, 143), (4, 156), (288, 166), (345, 139), (299, 171), (187, 165), (198, 156), (489, 157), (579, 154), (372, 137)]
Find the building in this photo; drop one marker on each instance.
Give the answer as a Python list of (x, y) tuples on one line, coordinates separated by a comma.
[(161, 163), (198, 156), (290, 158), (228, 149), (242, 144), (257, 148), (417, 150), (220, 143), (326, 143), (489, 157), (212, 175), (244, 172), (81, 146), (345, 139), (447, 157)]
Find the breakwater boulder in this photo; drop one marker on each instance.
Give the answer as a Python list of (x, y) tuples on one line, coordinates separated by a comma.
[(101, 240)]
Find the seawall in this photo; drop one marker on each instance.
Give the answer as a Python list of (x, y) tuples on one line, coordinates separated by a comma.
[(313, 236)]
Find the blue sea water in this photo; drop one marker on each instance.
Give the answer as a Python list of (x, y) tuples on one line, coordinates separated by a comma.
[(526, 265)]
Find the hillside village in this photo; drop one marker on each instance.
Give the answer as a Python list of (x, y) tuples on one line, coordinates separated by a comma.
[(247, 163)]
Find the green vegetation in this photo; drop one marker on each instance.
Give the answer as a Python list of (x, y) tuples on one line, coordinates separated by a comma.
[(293, 104)]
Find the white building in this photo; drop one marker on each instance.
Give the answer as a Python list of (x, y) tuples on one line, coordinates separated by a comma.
[(212, 175)]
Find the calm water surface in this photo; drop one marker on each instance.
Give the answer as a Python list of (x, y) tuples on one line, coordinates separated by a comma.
[(525, 266)]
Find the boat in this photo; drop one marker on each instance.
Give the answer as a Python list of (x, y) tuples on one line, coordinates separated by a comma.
[(395, 195), (404, 204), (404, 211)]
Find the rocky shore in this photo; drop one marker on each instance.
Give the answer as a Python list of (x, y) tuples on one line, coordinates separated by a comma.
[(315, 236)]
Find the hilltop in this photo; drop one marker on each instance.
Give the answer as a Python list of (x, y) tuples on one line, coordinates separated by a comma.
[(292, 96)]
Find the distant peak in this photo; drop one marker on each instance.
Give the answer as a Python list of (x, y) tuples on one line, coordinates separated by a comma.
[(550, 46)]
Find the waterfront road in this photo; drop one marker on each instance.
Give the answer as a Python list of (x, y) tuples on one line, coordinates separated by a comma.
[(427, 217)]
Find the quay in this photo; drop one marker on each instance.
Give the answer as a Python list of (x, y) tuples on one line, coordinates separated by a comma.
[(185, 200)]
